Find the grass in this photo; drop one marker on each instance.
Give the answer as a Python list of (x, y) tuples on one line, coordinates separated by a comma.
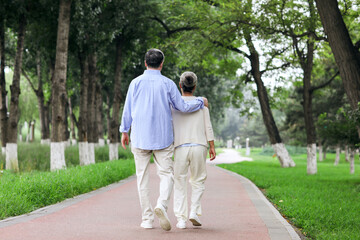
[(323, 206), (36, 156), (24, 192)]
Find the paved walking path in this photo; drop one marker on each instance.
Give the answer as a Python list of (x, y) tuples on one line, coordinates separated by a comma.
[(233, 208)]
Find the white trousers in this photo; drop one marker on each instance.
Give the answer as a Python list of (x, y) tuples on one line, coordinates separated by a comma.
[(195, 158), (165, 170)]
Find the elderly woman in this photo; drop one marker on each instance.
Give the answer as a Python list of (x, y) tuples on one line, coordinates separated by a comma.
[(192, 133)]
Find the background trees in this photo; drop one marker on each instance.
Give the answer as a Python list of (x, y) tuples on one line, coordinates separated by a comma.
[(270, 61)]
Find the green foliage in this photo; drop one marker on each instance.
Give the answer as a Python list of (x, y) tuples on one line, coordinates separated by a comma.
[(235, 126), (323, 206), (341, 127), (23, 193)]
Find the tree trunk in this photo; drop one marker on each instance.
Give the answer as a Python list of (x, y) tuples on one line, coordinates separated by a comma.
[(92, 123), (320, 152), (352, 161), (3, 93), (99, 113), (108, 118), (324, 153), (12, 124), (347, 57), (337, 158), (28, 131), (59, 96), (45, 137), (311, 155), (72, 123), (43, 110), (114, 124), (66, 136), (82, 123), (273, 132), (46, 130), (307, 66), (347, 153)]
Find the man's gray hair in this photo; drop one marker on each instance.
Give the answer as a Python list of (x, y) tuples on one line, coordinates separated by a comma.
[(154, 57)]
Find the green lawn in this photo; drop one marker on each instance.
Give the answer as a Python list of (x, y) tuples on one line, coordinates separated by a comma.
[(35, 186), (24, 192), (323, 206)]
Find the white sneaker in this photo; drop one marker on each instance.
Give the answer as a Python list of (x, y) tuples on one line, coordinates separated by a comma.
[(163, 218), (181, 224), (146, 224), (195, 219)]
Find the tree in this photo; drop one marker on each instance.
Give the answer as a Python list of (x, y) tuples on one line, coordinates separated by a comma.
[(287, 18), (43, 102), (59, 95), (229, 26), (129, 26), (114, 122), (347, 55), (12, 121), (3, 107), (87, 35), (39, 58), (341, 127)]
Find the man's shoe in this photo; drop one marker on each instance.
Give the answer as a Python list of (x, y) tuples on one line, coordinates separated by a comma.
[(195, 220), (163, 218), (146, 225), (181, 224)]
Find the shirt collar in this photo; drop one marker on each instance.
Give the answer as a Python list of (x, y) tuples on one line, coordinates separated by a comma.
[(152, 72)]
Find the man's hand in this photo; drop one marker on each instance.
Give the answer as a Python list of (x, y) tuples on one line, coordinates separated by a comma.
[(124, 140), (206, 103), (212, 153)]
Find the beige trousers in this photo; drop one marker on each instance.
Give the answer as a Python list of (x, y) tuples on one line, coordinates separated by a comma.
[(195, 158), (165, 170)]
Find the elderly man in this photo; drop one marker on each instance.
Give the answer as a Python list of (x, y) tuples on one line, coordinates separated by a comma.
[(147, 112)]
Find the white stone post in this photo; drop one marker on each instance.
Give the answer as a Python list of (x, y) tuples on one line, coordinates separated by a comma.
[(311, 159), (32, 128), (91, 156), (247, 147), (113, 151), (12, 157), (229, 143), (320, 153), (337, 158), (101, 142), (57, 156), (84, 153), (352, 162)]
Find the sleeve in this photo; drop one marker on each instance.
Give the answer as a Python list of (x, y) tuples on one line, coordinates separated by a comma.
[(126, 118), (208, 127), (178, 103)]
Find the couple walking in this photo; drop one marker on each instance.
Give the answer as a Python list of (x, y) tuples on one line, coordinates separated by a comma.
[(163, 123)]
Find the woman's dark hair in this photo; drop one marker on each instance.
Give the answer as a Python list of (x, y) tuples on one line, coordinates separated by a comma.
[(154, 57)]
